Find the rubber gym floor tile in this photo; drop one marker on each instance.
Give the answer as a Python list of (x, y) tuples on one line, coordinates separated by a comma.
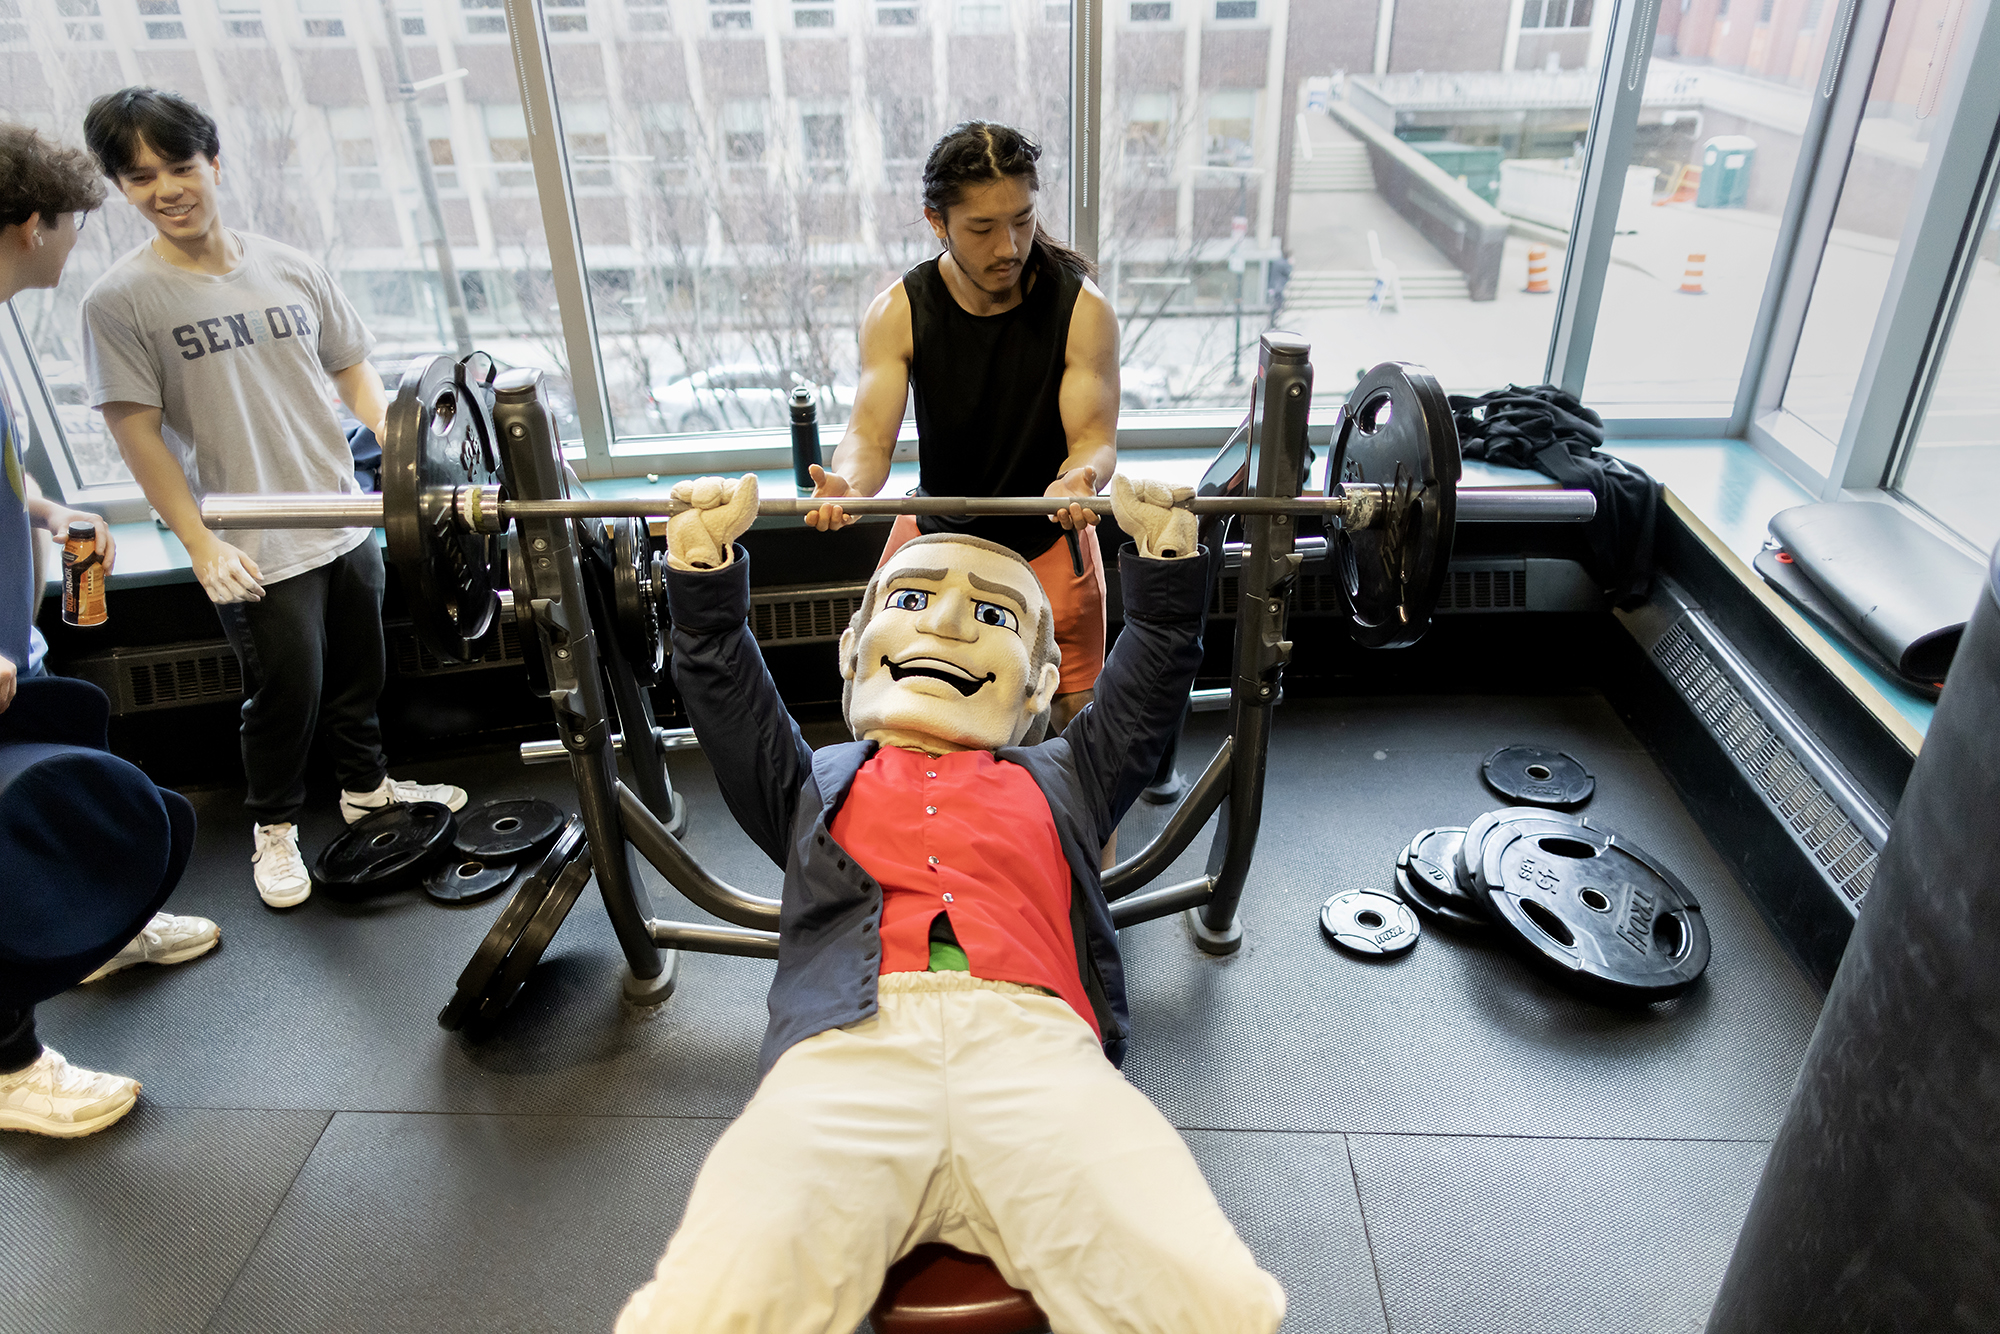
[(1292, 1200), (1552, 1236), (1458, 1036), (499, 1224), (140, 1228)]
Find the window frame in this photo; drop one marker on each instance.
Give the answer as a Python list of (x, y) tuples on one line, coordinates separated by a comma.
[(1905, 340)]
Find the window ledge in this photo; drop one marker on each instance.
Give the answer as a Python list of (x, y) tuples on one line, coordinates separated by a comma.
[(1725, 491)]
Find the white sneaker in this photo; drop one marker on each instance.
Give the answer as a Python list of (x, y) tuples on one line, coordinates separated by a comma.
[(282, 881), (53, 1097), (354, 805), (166, 939)]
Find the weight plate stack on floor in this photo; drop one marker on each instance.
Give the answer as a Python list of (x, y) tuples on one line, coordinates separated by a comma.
[(1469, 848), (508, 829), (460, 881), (1532, 776), (1596, 913), (507, 929), (535, 936), (1427, 879), (1367, 923), (385, 850)]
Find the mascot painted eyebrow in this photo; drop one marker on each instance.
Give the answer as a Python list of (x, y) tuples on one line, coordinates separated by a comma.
[(949, 1006)]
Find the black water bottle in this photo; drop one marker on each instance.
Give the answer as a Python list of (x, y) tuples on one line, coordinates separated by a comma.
[(805, 437)]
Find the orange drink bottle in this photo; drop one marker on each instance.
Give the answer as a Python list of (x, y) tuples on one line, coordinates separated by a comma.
[(83, 577)]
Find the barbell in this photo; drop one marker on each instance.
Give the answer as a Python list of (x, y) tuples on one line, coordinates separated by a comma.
[(1393, 503)]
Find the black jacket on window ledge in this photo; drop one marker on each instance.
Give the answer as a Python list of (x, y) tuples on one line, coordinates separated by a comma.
[(1541, 427)]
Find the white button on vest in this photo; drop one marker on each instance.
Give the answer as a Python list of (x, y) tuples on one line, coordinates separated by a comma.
[(947, 898), (930, 810), (934, 861)]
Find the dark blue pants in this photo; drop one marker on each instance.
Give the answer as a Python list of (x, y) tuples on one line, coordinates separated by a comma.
[(19, 1047), (312, 653)]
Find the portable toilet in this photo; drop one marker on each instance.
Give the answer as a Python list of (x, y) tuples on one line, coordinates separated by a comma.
[(1725, 171)]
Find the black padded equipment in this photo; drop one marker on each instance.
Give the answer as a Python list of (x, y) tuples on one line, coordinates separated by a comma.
[(1782, 572), (385, 850), (464, 880), (1427, 880), (1877, 1207), (440, 437), (508, 829), (507, 929), (1532, 776), (1596, 913), (1396, 430), (1905, 589), (1469, 847)]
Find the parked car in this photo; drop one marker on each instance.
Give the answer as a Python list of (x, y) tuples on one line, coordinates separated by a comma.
[(741, 396), (1143, 387)]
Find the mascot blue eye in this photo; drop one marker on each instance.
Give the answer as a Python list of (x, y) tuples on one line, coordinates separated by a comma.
[(909, 599), (987, 613)]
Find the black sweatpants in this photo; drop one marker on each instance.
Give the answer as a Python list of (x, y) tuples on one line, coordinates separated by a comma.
[(19, 1047), (312, 652)]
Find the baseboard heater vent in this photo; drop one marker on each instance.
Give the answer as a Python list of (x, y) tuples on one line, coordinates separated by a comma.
[(140, 680), (1805, 787), (803, 615)]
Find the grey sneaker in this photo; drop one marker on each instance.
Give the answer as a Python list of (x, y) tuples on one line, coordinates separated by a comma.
[(282, 881), (166, 939), (354, 805), (53, 1097)]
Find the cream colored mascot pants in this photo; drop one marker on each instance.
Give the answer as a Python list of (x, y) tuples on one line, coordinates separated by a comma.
[(979, 1114)]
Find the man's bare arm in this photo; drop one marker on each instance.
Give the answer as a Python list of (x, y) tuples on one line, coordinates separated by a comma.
[(226, 573), (360, 388), (1089, 402), (861, 463)]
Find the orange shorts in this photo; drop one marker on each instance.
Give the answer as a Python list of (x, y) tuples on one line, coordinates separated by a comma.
[(1078, 601)]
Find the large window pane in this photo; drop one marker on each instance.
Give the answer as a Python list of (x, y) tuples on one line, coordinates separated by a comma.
[(317, 153), (1384, 207), (1953, 465), (1726, 100), (760, 182), (1876, 196)]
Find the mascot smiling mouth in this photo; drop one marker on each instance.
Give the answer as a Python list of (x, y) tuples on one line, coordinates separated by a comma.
[(939, 670)]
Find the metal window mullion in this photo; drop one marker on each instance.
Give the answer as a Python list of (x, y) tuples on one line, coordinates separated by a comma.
[(1086, 80), (529, 40), (1614, 117), (1840, 103), (1919, 282)]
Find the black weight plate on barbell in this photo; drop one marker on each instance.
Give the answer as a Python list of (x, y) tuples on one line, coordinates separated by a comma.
[(637, 584), (507, 928), (437, 437), (1596, 913), (1427, 880), (508, 828), (463, 880), (384, 850), (1532, 776), (1476, 833), (1397, 432), (535, 938)]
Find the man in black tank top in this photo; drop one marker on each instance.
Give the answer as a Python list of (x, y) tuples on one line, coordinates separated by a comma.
[(1012, 354)]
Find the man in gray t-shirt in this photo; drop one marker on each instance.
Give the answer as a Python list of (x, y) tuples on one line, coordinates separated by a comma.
[(208, 351)]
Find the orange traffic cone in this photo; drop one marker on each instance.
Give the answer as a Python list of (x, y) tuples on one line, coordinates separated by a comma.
[(1691, 280), (1538, 270)]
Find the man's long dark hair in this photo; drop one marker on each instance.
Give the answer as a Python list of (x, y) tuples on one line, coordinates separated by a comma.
[(978, 152)]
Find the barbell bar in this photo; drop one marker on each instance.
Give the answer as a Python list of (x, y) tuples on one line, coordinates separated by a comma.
[(482, 508)]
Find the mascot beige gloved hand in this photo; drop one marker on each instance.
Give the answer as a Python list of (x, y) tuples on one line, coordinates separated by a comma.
[(713, 513), (1147, 511)]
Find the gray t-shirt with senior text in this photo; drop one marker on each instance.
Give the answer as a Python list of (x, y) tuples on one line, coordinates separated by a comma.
[(237, 364)]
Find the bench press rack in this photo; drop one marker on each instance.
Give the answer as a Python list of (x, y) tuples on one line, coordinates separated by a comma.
[(470, 460)]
